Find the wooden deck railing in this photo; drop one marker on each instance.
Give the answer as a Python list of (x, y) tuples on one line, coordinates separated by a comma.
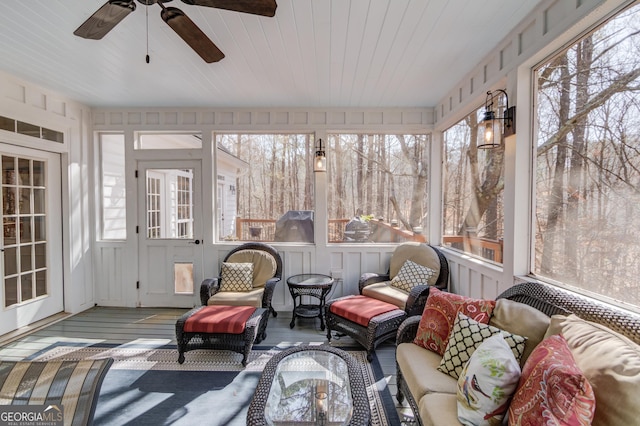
[(487, 249), (265, 229)]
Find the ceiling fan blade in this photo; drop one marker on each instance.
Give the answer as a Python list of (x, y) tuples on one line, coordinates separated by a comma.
[(189, 32), (105, 18), (255, 7)]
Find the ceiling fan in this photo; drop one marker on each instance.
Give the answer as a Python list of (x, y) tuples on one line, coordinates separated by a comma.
[(114, 11)]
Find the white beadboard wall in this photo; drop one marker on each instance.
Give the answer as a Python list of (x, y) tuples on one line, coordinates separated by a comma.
[(24, 101)]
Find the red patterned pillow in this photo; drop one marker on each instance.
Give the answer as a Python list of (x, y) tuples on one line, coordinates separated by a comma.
[(552, 389), (440, 313)]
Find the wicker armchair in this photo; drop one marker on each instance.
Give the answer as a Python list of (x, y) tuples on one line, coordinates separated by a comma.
[(377, 285), (267, 272)]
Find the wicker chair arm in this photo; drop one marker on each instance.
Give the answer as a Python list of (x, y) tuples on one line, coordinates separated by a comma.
[(408, 330), (417, 300), (371, 278), (269, 288), (208, 288)]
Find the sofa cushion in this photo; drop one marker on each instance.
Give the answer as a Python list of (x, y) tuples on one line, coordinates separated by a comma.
[(440, 313), (466, 335), (383, 291), (418, 368), (419, 253), (264, 265), (522, 319), (238, 298), (487, 382), (552, 389), (611, 363), (438, 409), (410, 275), (236, 277)]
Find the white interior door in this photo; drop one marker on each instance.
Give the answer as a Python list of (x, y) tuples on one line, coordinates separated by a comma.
[(31, 264), (169, 233)]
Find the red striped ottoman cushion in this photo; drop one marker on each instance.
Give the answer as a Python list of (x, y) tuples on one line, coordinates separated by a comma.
[(219, 319), (360, 309)]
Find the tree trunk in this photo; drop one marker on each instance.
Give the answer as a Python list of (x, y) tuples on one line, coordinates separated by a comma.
[(584, 60), (555, 199)]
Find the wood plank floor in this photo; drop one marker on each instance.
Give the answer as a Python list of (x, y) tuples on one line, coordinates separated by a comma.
[(125, 325)]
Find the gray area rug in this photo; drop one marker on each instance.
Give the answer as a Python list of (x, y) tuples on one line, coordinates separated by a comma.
[(147, 386)]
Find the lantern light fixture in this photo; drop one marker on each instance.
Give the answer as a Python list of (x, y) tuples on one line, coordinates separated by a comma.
[(492, 126), (320, 162)]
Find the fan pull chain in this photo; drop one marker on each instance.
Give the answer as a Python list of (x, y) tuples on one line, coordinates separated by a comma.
[(146, 10)]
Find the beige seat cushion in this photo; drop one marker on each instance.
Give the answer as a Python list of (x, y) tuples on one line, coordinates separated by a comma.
[(264, 265), (385, 292), (521, 319), (419, 253), (611, 363), (439, 409), (418, 367), (238, 298)]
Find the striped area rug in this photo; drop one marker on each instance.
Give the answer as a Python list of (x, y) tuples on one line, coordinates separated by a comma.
[(147, 386)]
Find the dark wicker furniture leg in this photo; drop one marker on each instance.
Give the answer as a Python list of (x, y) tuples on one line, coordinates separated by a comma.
[(254, 331), (380, 328)]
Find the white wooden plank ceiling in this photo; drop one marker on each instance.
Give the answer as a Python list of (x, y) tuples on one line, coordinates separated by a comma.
[(313, 53)]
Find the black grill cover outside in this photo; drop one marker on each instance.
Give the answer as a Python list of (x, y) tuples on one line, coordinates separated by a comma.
[(295, 226)]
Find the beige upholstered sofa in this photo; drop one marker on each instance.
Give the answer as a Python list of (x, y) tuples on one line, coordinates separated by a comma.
[(605, 343)]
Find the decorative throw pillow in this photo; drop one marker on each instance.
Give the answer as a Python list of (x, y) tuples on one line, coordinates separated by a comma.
[(611, 363), (410, 275), (552, 389), (487, 383), (466, 335), (236, 277), (440, 313)]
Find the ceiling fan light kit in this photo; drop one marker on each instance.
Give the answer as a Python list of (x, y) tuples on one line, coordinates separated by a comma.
[(114, 11)]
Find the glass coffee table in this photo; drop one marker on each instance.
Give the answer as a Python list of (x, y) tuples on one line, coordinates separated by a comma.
[(314, 385)]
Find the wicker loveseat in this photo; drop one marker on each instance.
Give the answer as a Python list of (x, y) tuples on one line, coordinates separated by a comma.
[(608, 349)]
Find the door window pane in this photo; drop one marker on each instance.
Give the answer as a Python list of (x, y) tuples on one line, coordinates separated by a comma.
[(22, 258), (169, 200)]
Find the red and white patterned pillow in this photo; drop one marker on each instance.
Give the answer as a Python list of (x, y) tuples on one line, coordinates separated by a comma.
[(440, 313), (552, 389)]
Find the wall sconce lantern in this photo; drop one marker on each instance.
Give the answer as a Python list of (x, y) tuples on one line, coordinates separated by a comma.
[(491, 124), (320, 162)]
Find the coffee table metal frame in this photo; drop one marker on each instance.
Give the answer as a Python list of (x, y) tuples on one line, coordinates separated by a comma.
[(314, 285), (361, 411)]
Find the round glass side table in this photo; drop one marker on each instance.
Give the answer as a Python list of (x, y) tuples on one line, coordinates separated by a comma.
[(313, 285)]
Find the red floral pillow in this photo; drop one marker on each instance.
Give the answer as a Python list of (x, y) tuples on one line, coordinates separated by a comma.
[(440, 313), (552, 389)]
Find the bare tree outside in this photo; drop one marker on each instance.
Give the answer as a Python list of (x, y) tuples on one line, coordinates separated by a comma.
[(377, 182), (588, 162), (473, 188), (378, 185)]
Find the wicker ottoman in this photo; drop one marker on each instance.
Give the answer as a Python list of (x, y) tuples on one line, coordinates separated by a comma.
[(232, 328), (369, 321)]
